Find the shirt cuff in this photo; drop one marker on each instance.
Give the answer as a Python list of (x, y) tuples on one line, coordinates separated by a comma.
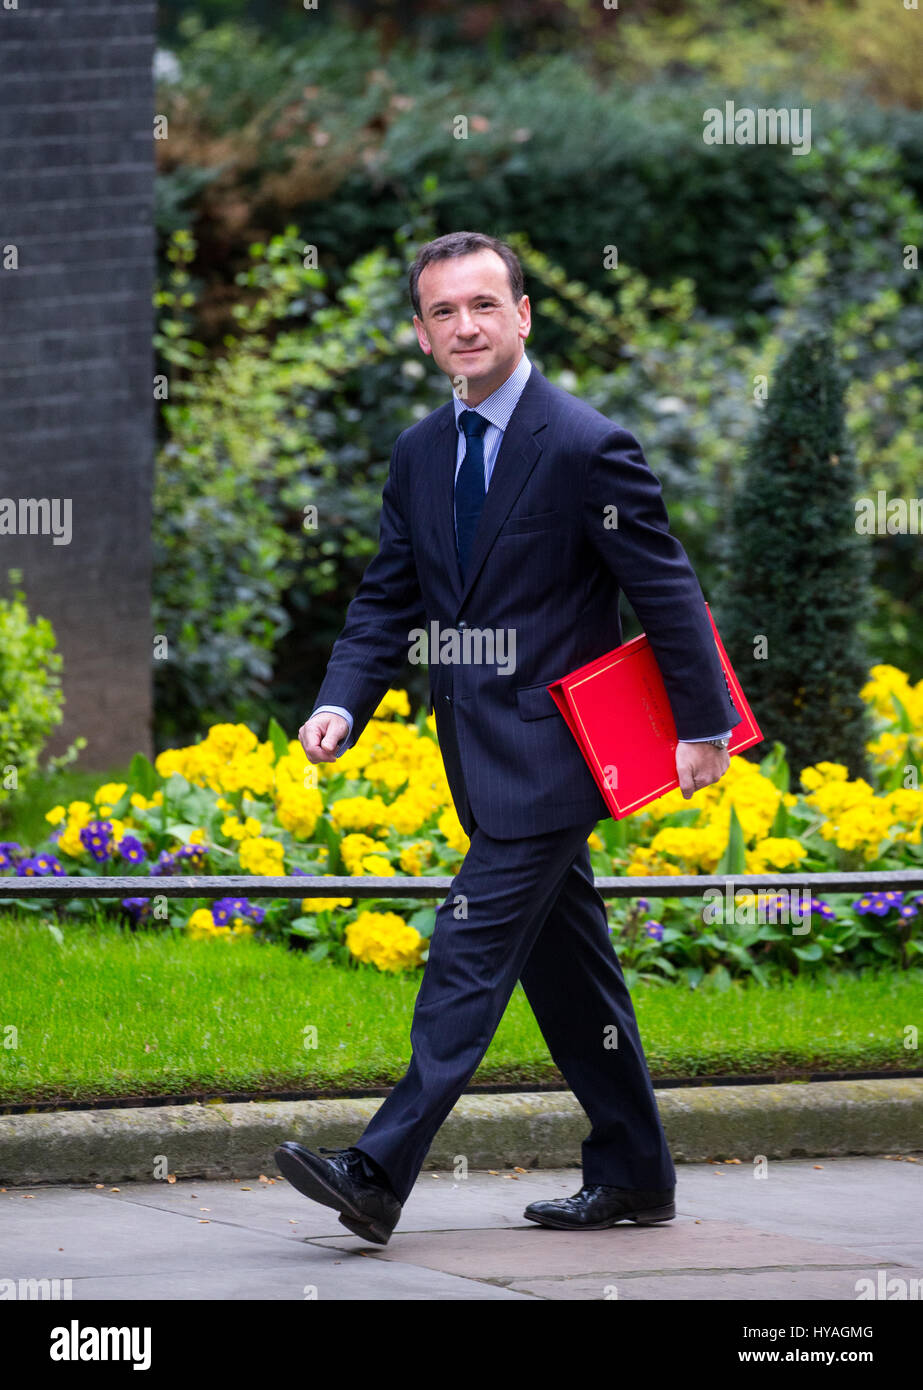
[(707, 738)]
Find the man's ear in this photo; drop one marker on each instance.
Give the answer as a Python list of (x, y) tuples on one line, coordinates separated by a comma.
[(421, 335)]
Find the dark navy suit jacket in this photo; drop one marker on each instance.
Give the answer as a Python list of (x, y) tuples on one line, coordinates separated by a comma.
[(545, 566)]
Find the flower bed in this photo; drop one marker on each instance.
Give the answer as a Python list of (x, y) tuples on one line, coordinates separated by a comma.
[(232, 804)]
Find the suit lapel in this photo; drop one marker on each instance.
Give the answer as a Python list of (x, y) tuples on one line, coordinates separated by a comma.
[(518, 455)]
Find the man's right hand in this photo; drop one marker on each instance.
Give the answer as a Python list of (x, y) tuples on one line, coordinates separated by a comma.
[(319, 736)]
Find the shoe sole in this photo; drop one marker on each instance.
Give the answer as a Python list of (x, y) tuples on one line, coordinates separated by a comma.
[(313, 1185), (651, 1217)]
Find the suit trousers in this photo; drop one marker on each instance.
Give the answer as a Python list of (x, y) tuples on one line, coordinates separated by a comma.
[(526, 909)]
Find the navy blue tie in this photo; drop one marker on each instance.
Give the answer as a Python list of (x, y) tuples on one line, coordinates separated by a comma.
[(469, 485)]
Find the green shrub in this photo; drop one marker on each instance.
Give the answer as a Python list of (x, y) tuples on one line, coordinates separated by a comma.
[(337, 135), (798, 570), (300, 412), (30, 690)]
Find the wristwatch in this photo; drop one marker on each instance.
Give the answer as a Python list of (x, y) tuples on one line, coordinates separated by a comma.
[(716, 742)]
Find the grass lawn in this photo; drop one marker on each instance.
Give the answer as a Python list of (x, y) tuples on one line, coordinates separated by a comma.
[(118, 1014)]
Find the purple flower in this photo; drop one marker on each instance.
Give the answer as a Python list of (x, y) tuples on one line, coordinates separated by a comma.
[(642, 904), (40, 866), (10, 852), (822, 909), (191, 858), (96, 836), (225, 909), (654, 930), (165, 865), (877, 903), (138, 909), (131, 848)]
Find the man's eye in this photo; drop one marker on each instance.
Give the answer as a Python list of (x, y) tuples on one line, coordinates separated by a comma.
[(483, 304)]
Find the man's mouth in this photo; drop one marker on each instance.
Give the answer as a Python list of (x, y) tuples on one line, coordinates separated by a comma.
[(468, 352)]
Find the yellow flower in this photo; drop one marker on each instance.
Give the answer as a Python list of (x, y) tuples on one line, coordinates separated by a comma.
[(202, 926), (358, 813), (837, 797), (778, 852), (664, 805), (109, 793), (141, 803), (697, 849), (262, 856), (299, 809), (414, 856), (884, 681), (236, 829), (595, 842), (324, 904), (410, 811), (453, 830), (861, 823), (354, 848), (905, 809), (376, 866), (201, 923), (387, 772), (820, 773), (394, 702), (385, 940), (351, 764), (230, 758), (56, 815), (69, 842), (647, 864)]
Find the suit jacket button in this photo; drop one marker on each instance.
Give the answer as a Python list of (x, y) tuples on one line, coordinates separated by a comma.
[(461, 625), (448, 699)]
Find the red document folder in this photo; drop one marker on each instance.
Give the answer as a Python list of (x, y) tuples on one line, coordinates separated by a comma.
[(617, 709)]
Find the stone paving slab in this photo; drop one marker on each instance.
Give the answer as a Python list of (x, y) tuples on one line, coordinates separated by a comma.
[(438, 1201), (321, 1281), (686, 1244), (763, 1286), (808, 1231)]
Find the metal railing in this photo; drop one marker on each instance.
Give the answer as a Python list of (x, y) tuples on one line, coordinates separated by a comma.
[(412, 886)]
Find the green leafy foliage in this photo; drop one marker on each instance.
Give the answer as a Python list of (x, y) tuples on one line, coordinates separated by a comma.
[(30, 689)]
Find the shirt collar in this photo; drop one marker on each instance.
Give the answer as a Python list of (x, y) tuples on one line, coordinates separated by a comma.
[(500, 404)]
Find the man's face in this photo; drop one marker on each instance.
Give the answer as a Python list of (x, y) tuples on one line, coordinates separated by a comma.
[(470, 322)]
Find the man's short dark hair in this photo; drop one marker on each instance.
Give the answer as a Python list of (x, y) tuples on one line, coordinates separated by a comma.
[(465, 244)]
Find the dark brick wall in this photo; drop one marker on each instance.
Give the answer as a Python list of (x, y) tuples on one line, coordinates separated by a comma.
[(76, 361)]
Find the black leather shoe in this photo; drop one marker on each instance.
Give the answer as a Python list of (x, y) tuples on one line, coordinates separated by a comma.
[(367, 1206), (595, 1208)]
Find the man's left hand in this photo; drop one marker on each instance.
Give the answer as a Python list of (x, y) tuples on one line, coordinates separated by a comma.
[(698, 764)]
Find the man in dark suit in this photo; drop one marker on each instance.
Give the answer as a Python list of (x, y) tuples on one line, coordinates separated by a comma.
[(511, 518)]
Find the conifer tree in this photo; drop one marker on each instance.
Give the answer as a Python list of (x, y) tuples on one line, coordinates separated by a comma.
[(798, 578)]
